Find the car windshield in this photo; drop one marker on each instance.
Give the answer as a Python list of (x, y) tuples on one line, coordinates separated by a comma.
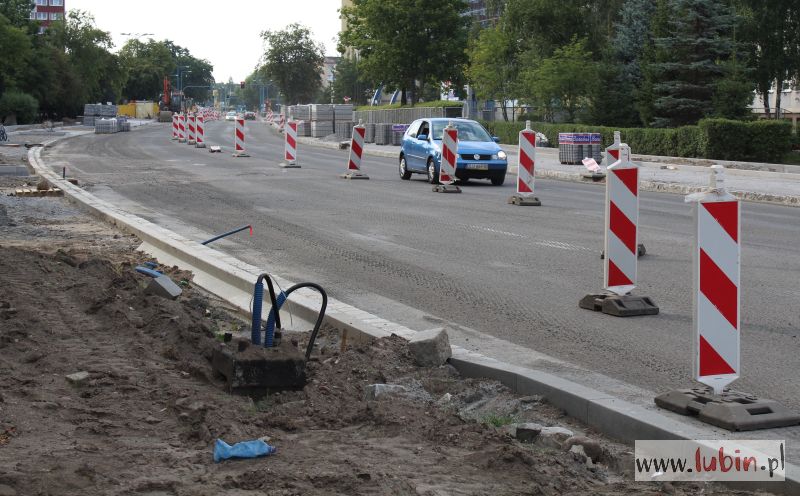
[(467, 131)]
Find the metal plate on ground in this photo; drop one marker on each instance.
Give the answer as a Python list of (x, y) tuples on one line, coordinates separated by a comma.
[(731, 410)]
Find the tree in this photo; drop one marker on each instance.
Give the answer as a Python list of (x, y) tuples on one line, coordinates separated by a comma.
[(88, 60), (349, 83), (561, 82), (146, 65), (493, 70), (690, 61), (403, 43), (772, 31), (294, 61), (15, 45), (620, 69), (17, 12)]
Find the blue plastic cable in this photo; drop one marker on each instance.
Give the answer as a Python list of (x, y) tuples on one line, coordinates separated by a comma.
[(258, 297)]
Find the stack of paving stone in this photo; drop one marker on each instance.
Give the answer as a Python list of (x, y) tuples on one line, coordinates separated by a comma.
[(91, 111), (320, 129), (123, 125), (397, 137), (321, 112), (300, 112), (344, 129), (383, 134), (369, 132), (106, 126), (304, 128), (574, 147), (343, 112)]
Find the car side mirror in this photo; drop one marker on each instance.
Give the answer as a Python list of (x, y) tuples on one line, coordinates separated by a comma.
[(422, 137), (495, 139)]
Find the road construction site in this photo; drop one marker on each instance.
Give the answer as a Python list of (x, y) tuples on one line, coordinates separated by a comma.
[(504, 281)]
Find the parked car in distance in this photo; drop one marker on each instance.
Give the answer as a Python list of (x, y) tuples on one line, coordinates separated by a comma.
[(479, 155), (250, 116), (230, 116)]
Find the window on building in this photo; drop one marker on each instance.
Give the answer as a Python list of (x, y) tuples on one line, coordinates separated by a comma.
[(41, 16), (55, 16), (57, 3), (33, 14), (41, 2)]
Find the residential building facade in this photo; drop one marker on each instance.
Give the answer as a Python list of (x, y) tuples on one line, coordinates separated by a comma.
[(47, 11)]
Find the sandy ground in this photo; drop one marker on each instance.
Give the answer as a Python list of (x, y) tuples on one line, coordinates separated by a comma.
[(145, 420)]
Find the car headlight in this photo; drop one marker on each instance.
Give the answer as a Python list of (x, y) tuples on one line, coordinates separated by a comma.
[(502, 155)]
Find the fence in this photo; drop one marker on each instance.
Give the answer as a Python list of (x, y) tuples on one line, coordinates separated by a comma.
[(405, 115)]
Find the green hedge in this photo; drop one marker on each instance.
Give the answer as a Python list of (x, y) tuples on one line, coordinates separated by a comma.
[(759, 141), (720, 139)]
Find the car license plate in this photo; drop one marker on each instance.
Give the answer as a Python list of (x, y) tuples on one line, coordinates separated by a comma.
[(478, 166)]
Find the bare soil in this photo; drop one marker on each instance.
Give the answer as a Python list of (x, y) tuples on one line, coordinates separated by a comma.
[(145, 420)]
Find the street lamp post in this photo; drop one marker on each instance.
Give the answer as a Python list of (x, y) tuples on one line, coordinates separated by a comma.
[(180, 81)]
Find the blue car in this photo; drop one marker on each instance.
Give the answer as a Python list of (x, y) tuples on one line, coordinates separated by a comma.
[(479, 155)]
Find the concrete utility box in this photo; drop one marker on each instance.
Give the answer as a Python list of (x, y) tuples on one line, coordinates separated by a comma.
[(254, 369)]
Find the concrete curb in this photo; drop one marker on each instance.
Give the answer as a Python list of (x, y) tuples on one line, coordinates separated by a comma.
[(233, 280)]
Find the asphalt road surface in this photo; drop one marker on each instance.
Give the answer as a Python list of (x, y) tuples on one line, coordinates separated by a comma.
[(396, 249)]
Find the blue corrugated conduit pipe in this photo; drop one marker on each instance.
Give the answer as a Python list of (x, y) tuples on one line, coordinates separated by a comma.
[(258, 298), (274, 314), (148, 271)]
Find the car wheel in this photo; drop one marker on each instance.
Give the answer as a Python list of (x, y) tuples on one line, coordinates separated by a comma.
[(433, 176), (498, 179), (404, 172)]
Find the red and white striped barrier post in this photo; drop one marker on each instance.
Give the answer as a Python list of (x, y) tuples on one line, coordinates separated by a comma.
[(181, 128), (447, 164), (290, 147), (716, 261), (281, 121), (200, 140), (526, 161), (716, 357), (612, 151), (621, 243), (356, 151), (238, 139), (174, 127), (622, 225), (191, 126)]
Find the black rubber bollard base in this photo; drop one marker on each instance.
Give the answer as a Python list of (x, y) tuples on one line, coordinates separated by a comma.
[(524, 201), (446, 188), (619, 306), (730, 410)]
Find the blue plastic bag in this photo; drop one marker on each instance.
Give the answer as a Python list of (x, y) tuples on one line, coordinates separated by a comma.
[(245, 449)]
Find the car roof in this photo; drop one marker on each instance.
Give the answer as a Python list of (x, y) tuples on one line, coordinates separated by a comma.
[(447, 119)]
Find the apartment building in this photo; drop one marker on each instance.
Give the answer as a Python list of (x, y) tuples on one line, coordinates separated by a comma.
[(47, 11)]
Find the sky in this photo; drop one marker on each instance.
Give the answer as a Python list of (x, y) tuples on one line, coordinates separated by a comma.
[(225, 34)]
